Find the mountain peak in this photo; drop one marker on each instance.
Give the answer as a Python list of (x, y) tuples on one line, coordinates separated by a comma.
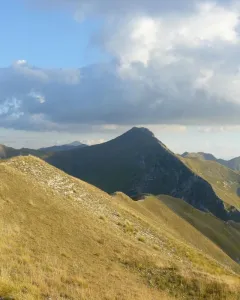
[(140, 134), (141, 130), (143, 135)]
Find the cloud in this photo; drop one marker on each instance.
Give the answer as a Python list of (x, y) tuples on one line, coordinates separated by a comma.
[(169, 66), (219, 129), (20, 62), (10, 109), (35, 95), (110, 127), (94, 141)]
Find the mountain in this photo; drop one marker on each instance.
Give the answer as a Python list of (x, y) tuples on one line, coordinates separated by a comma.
[(137, 163), (199, 155), (8, 152), (233, 164), (224, 181), (65, 147), (62, 238)]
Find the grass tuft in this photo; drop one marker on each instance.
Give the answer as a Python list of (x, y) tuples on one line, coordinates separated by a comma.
[(141, 239)]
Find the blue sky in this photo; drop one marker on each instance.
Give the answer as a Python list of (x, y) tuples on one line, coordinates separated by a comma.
[(90, 69), (46, 38)]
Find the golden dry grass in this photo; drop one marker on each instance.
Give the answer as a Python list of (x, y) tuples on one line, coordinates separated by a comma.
[(62, 238)]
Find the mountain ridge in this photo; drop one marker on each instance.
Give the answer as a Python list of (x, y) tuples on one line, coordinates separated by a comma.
[(64, 147), (138, 163), (233, 163), (8, 152)]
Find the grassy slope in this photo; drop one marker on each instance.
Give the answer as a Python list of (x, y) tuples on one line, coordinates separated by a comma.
[(64, 239), (53, 247), (224, 181), (224, 234)]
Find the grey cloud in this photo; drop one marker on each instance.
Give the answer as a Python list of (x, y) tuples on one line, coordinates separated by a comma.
[(102, 96), (158, 75)]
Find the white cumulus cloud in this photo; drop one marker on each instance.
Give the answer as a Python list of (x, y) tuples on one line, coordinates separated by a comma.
[(173, 63)]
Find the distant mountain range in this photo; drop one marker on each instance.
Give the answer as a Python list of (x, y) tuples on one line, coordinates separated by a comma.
[(137, 164), (233, 164), (8, 152), (65, 147)]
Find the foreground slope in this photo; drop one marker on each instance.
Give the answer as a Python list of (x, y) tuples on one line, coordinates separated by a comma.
[(62, 238), (137, 163)]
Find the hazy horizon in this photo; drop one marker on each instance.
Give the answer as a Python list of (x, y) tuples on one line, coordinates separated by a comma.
[(55, 138)]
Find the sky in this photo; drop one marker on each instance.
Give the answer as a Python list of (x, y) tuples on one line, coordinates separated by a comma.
[(89, 70)]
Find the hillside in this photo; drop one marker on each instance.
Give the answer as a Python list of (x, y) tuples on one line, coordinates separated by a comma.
[(224, 234), (62, 238), (225, 182), (137, 163), (233, 164)]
